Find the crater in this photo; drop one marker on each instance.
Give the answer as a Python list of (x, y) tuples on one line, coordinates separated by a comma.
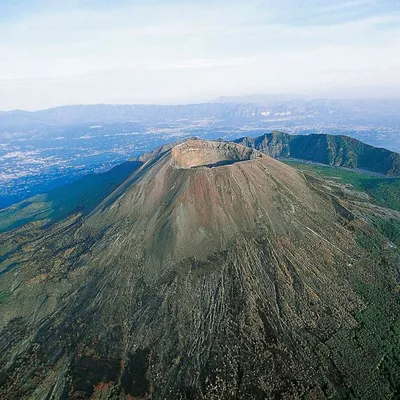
[(202, 153)]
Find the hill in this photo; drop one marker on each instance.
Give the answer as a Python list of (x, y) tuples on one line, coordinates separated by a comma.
[(334, 150), (80, 196)]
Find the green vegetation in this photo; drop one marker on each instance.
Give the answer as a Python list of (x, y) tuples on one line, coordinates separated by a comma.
[(4, 296), (384, 191), (81, 196), (335, 150), (389, 228)]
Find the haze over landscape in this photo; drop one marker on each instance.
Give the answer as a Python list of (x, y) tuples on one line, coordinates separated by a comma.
[(56, 53), (199, 200)]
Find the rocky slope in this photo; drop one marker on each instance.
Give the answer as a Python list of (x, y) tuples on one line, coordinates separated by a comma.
[(213, 271), (335, 150)]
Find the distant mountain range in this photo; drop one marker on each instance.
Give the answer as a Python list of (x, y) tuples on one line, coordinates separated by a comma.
[(224, 108), (336, 150)]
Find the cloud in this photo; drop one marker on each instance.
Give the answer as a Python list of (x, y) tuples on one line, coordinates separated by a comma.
[(205, 63), (185, 51), (341, 6)]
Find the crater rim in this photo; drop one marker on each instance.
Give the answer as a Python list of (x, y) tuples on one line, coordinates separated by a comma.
[(197, 153)]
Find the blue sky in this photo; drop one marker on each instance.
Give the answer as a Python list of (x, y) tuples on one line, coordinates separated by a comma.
[(66, 52)]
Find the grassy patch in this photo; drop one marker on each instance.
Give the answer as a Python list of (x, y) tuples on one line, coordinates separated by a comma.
[(81, 196), (4, 296), (390, 228), (384, 191)]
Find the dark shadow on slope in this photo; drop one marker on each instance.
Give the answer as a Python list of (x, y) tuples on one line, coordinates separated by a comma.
[(81, 196), (218, 164)]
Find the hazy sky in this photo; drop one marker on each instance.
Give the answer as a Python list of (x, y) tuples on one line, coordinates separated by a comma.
[(55, 52)]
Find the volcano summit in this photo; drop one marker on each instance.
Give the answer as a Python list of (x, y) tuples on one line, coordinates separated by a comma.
[(200, 153), (213, 271)]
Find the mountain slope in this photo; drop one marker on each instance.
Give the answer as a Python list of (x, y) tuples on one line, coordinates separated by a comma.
[(335, 150), (213, 271), (80, 196)]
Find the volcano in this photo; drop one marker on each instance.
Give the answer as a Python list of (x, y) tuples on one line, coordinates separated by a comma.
[(213, 271)]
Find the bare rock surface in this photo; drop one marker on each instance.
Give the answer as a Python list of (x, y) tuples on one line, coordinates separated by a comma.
[(197, 153)]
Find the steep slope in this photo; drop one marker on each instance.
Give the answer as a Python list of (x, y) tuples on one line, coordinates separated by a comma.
[(80, 196), (335, 150), (213, 271)]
